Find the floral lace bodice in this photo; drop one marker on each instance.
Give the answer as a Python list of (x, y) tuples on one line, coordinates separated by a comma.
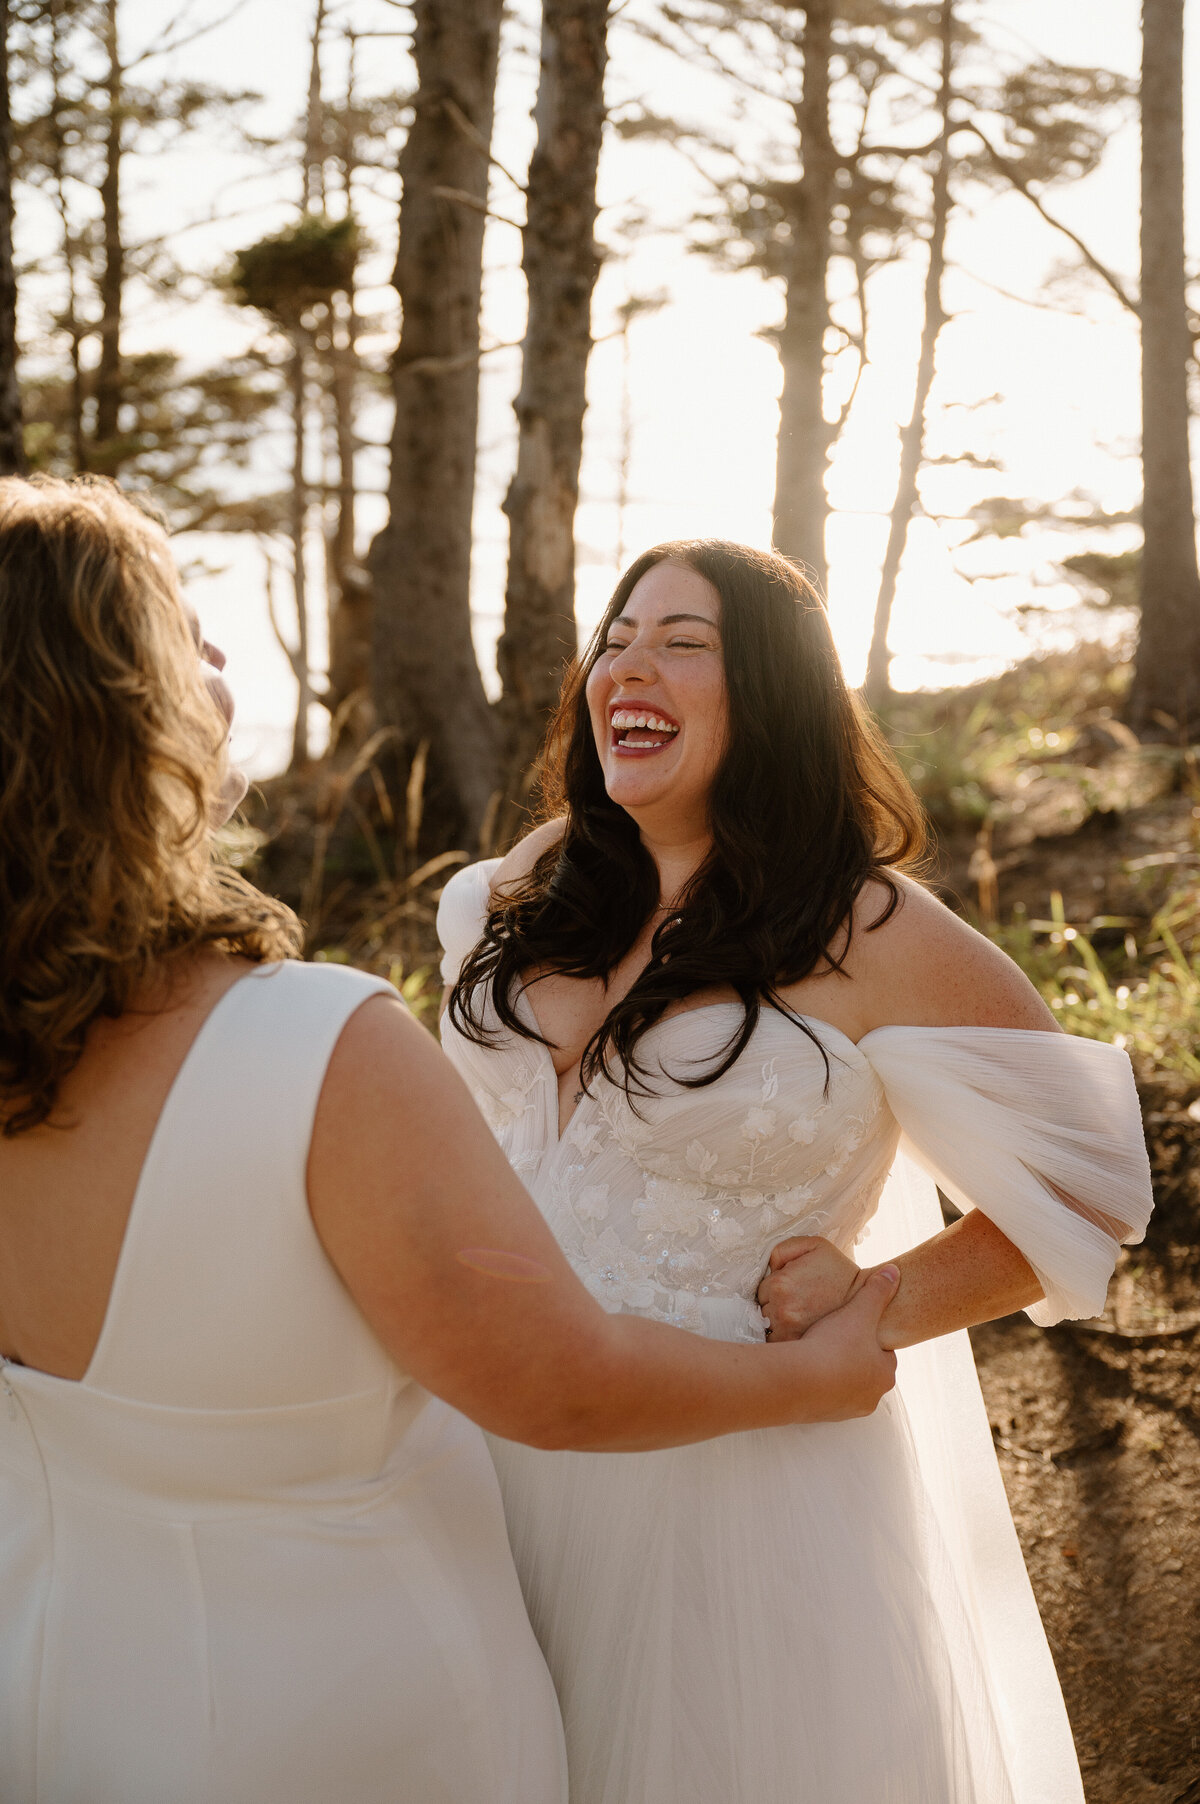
[(670, 1208), (674, 1199)]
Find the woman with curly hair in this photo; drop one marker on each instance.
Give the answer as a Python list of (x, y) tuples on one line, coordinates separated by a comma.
[(250, 1551), (698, 1006)]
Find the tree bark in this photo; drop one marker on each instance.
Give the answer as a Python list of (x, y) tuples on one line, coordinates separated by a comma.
[(314, 124), (71, 319), (12, 450), (298, 524), (106, 453), (561, 264), (349, 584), (801, 503), (1166, 686), (877, 687), (427, 685)]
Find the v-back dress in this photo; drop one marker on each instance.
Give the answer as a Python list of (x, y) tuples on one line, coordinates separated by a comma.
[(246, 1560), (826, 1614)]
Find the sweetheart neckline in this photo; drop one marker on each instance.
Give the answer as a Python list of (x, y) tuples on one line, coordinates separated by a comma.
[(817, 1022)]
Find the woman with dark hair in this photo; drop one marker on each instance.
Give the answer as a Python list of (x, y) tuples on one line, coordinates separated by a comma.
[(250, 1551), (698, 1007)]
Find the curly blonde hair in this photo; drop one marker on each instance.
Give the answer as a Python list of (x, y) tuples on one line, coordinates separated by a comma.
[(111, 761)]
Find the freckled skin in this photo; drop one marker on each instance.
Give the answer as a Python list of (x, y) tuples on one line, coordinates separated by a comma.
[(968, 1273)]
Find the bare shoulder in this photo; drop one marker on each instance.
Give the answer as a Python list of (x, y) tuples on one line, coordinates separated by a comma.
[(924, 966), (380, 1043), (388, 1091), (520, 861)]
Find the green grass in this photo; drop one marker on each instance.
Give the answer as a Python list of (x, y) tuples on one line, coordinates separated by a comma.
[(1152, 1010)]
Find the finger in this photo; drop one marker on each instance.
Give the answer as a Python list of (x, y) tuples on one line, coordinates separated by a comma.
[(212, 654), (875, 1293), (795, 1248)]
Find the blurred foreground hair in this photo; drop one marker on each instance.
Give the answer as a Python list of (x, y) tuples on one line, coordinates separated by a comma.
[(111, 760), (807, 805)]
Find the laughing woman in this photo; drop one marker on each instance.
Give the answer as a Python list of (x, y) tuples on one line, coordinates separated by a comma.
[(699, 1008)]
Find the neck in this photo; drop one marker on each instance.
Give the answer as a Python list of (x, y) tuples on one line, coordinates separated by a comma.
[(678, 856)]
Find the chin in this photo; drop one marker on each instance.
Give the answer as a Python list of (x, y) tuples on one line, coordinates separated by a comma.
[(633, 790)]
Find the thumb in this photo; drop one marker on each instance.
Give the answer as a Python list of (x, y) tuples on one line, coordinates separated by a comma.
[(876, 1292)]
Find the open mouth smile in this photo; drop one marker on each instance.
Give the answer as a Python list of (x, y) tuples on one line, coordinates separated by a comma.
[(638, 731)]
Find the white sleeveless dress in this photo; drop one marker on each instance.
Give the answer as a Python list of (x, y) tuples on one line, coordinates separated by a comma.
[(246, 1560), (833, 1614)]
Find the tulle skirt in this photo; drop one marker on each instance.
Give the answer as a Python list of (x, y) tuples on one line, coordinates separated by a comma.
[(770, 1618)]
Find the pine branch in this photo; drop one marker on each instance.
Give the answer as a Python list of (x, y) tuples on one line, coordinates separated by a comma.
[(1007, 167), (167, 45)]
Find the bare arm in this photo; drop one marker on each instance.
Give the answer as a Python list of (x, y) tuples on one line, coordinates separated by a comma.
[(968, 1273), (924, 968), (453, 1267)]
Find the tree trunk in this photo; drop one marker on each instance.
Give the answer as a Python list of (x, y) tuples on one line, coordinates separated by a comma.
[(1166, 686), (877, 687), (71, 313), (12, 450), (314, 125), (298, 524), (112, 278), (561, 263), (349, 584), (426, 680), (804, 434)]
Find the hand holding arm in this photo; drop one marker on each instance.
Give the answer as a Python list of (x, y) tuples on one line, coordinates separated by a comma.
[(968, 1273), (450, 1262)]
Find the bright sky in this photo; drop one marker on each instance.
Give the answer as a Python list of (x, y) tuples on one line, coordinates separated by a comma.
[(703, 387)]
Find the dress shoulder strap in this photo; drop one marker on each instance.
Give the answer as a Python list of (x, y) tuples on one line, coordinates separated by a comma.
[(221, 1274)]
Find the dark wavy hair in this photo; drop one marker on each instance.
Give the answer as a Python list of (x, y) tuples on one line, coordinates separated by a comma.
[(807, 805)]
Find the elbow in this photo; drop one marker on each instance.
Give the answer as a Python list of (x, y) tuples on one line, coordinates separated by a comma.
[(573, 1404), (577, 1409), (559, 1427)]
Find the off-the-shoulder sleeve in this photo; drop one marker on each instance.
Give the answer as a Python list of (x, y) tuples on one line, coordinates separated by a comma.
[(1041, 1131), (462, 912)]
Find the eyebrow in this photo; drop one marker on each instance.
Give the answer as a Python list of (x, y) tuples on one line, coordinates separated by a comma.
[(667, 620)]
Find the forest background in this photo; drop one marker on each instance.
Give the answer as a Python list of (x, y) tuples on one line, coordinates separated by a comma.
[(418, 321)]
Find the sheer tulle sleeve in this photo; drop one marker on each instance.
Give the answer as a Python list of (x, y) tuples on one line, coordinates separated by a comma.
[(462, 912), (1041, 1131)]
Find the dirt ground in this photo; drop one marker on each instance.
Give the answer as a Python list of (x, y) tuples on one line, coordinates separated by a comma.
[(1097, 1427), (1099, 1442)]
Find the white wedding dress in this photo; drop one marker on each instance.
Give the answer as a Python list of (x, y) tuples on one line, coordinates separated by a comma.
[(246, 1560), (833, 1614)]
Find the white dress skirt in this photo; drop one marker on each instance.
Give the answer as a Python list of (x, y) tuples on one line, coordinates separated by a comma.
[(831, 1614), (246, 1560)]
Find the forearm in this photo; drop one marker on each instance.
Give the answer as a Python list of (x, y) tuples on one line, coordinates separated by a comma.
[(653, 1387), (968, 1273)]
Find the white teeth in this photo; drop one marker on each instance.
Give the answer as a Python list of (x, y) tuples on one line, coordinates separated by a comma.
[(624, 719)]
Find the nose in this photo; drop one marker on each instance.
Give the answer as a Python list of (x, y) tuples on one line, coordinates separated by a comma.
[(631, 665)]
